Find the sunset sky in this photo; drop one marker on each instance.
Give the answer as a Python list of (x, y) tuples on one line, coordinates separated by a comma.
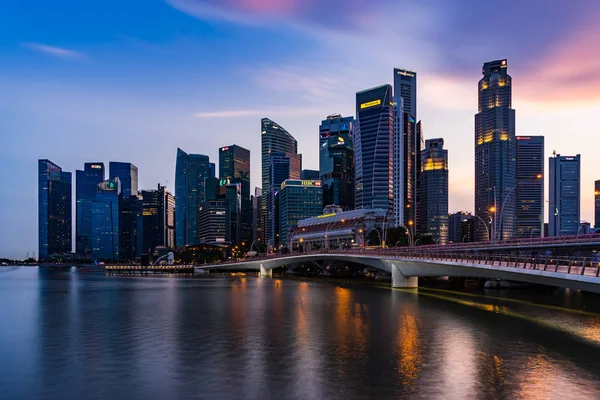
[(133, 80)]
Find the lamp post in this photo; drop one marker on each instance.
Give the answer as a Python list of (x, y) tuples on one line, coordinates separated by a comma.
[(327, 230), (538, 176), (410, 238)]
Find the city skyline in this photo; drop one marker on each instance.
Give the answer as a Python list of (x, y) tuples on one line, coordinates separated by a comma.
[(85, 115)]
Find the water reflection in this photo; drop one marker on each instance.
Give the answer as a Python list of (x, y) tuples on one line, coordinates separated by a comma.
[(217, 336)]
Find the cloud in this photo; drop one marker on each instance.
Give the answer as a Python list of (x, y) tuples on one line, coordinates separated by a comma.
[(55, 51), (258, 113)]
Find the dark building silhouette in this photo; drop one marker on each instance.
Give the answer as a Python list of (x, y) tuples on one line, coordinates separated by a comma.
[(54, 210), (434, 191), (130, 228), (128, 176), (234, 164), (565, 195), (336, 161), (530, 192), (86, 186)]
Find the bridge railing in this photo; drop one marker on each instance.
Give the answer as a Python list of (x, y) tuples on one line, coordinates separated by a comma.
[(585, 266)]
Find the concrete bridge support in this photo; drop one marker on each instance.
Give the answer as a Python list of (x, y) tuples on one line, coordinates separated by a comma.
[(265, 272), (401, 281)]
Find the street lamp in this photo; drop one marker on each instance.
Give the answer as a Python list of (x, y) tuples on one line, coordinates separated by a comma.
[(538, 176), (408, 233), (327, 230)]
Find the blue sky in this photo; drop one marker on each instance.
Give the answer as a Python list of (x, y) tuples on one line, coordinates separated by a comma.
[(133, 80)]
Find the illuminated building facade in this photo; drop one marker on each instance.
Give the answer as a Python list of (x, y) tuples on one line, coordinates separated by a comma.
[(158, 219), (128, 176), (105, 220), (597, 204), (213, 222), (298, 200), (190, 172), (373, 148), (565, 200), (275, 139), (85, 192), (461, 227), (530, 192), (54, 210), (434, 191), (495, 152), (336, 161), (234, 164)]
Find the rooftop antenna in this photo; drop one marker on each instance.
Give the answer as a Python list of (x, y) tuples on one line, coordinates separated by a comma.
[(554, 153)]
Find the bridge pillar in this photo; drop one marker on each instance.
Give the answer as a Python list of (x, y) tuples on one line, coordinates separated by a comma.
[(401, 281), (265, 272)]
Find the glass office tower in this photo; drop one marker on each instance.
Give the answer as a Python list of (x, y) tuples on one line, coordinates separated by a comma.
[(128, 176), (130, 228), (190, 173), (336, 161), (234, 164), (495, 153), (54, 210), (530, 192), (373, 147), (565, 198), (105, 220), (275, 139), (86, 185), (298, 199), (434, 191)]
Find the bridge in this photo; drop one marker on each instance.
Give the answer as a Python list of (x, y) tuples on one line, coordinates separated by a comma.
[(405, 268)]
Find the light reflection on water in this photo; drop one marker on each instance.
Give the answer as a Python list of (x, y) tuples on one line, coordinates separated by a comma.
[(75, 335)]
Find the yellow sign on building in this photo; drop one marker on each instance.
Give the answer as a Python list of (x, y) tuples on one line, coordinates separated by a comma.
[(370, 104)]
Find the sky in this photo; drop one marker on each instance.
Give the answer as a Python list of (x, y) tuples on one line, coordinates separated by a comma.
[(134, 80)]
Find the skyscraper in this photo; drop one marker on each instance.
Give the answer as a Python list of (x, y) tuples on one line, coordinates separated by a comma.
[(130, 227), (434, 191), (158, 219), (190, 172), (373, 146), (234, 164), (213, 222), (461, 227), (258, 233), (299, 199), (309, 174), (336, 161), (54, 210), (105, 220), (405, 87), (282, 167), (86, 185), (495, 152), (530, 192), (597, 204), (128, 176), (565, 187), (399, 164), (275, 139), (409, 170)]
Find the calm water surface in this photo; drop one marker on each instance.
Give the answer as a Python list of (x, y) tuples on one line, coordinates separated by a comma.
[(74, 335)]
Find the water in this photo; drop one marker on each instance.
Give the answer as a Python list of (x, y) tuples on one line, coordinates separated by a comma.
[(84, 336)]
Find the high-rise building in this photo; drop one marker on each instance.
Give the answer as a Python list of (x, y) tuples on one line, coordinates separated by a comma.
[(407, 147), (597, 204), (405, 87), (336, 161), (85, 193), (281, 168), (105, 220), (530, 189), (275, 139), (309, 174), (190, 173), (234, 164), (128, 176), (373, 148), (158, 219), (495, 152), (54, 210), (434, 191), (298, 199), (130, 227), (213, 222), (461, 227), (233, 209), (258, 233), (419, 145), (565, 200)]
